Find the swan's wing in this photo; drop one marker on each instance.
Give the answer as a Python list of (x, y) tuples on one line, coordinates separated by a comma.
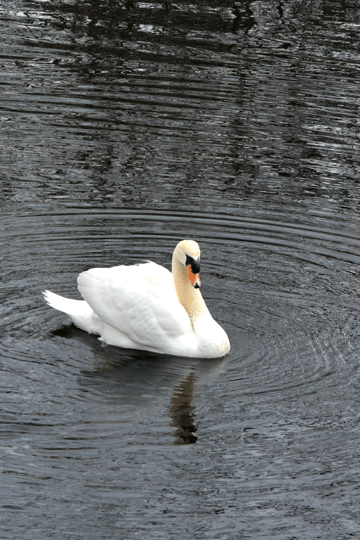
[(140, 301)]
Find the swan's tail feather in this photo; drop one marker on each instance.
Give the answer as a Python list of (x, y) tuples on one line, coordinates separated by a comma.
[(79, 311), (60, 303)]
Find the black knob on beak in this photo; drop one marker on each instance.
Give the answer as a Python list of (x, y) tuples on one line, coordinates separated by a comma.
[(195, 264)]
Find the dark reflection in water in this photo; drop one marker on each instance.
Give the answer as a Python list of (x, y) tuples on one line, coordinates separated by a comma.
[(129, 94), (125, 127), (182, 412)]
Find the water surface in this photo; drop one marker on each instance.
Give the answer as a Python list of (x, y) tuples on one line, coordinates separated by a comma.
[(126, 127)]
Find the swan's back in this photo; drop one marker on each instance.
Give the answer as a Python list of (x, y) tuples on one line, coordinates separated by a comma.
[(140, 302)]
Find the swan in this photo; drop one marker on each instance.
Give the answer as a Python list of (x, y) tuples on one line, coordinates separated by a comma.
[(146, 307)]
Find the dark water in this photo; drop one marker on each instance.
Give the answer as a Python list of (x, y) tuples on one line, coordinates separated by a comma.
[(126, 127)]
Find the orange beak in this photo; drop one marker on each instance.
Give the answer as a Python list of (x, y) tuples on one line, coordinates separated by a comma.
[(194, 278)]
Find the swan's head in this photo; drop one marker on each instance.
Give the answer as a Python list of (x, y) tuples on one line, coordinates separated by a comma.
[(187, 252)]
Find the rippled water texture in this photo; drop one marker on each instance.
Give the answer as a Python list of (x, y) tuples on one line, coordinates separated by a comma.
[(125, 127)]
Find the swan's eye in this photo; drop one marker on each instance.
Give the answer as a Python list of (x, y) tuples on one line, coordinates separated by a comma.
[(195, 264)]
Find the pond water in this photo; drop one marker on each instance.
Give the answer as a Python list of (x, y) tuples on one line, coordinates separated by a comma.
[(125, 127)]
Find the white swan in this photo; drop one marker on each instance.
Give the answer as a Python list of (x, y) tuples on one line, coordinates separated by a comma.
[(147, 307)]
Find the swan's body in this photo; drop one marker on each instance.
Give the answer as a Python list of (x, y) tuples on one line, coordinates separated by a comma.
[(147, 307)]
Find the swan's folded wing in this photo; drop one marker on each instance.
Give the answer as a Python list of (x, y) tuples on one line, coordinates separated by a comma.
[(140, 301)]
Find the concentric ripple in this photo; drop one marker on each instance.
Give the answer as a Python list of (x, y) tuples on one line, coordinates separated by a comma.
[(288, 289)]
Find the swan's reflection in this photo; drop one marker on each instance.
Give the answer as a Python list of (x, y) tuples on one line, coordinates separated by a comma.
[(129, 381), (182, 411)]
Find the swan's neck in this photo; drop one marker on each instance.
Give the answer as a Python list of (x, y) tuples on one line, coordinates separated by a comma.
[(188, 296)]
